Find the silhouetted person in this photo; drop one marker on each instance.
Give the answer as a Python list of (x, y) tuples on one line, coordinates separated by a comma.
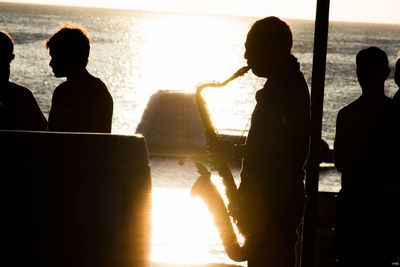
[(276, 148), (82, 103), (18, 107), (362, 154)]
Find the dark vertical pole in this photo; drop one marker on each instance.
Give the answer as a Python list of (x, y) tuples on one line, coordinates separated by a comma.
[(317, 100)]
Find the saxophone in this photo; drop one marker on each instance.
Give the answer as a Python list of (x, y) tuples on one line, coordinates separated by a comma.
[(206, 190)]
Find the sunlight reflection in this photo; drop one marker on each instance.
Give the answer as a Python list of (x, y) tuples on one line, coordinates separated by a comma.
[(177, 52), (183, 230), (185, 49)]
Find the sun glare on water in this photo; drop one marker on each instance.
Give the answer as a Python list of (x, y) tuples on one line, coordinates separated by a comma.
[(183, 230), (184, 50), (179, 51), (183, 220)]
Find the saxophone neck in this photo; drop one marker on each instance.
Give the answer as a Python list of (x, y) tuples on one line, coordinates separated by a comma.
[(238, 73), (209, 130)]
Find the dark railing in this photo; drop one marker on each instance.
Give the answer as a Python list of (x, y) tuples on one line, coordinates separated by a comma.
[(317, 101)]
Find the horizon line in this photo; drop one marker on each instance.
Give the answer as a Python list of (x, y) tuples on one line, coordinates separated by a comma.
[(191, 12)]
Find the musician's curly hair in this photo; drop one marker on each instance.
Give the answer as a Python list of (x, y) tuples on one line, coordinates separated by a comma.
[(271, 33)]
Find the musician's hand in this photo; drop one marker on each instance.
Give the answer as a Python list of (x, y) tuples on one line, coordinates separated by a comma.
[(238, 151), (220, 153)]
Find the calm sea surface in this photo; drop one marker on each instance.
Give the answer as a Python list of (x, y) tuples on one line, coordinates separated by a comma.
[(137, 53)]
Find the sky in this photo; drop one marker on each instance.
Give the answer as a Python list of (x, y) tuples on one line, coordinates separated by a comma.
[(385, 11)]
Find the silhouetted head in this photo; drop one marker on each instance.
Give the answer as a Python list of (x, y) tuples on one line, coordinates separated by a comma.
[(372, 69), (397, 72), (69, 50), (6, 54), (268, 46)]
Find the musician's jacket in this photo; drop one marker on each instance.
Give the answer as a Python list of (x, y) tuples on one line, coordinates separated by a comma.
[(278, 141)]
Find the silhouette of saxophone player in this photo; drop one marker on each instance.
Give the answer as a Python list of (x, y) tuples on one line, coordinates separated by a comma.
[(277, 144), (270, 199)]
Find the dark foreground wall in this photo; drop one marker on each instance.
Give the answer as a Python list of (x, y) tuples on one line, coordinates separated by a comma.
[(74, 200)]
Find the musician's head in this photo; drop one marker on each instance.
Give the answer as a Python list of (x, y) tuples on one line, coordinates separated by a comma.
[(268, 46)]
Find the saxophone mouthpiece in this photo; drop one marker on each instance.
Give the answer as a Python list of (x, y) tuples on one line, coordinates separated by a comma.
[(238, 73), (242, 71)]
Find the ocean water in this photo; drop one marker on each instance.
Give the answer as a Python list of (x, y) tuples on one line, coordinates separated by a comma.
[(137, 53)]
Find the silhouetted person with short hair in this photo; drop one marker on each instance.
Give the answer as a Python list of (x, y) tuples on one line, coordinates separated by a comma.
[(18, 107), (276, 148), (362, 153), (82, 103)]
